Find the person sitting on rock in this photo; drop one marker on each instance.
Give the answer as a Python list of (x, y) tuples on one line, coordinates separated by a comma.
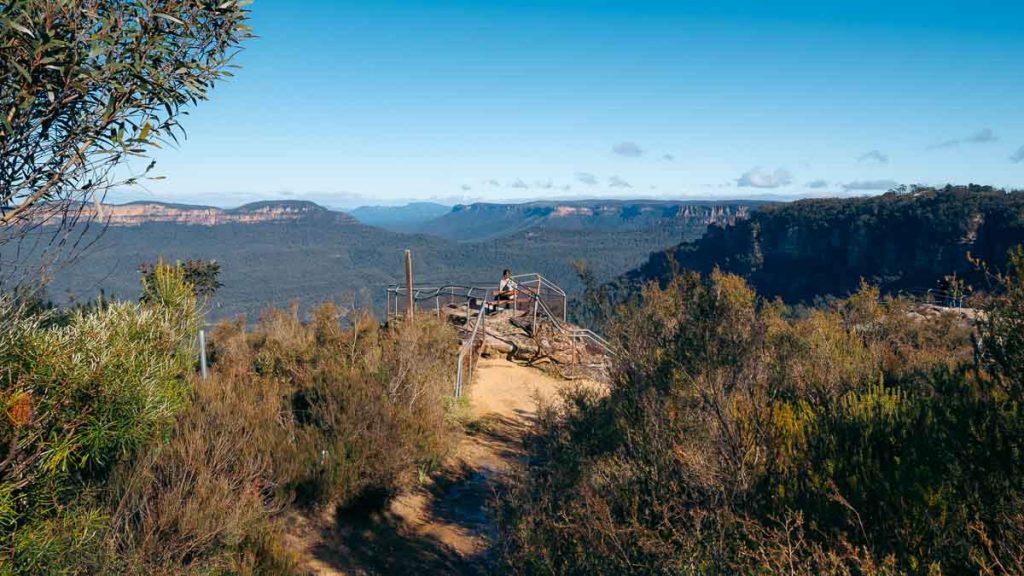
[(507, 289)]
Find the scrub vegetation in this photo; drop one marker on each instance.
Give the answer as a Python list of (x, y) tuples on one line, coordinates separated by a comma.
[(742, 437), (117, 459)]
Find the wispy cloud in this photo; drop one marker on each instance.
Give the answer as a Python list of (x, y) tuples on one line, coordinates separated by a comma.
[(1018, 156), (983, 136), (870, 185), (518, 183), (758, 178), (668, 157), (816, 184), (544, 184), (616, 182), (492, 183), (466, 187), (630, 149), (874, 156), (587, 178)]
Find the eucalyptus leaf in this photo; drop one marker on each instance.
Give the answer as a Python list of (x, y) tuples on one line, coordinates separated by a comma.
[(86, 84)]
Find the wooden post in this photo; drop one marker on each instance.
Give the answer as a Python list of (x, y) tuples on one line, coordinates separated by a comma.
[(409, 303)]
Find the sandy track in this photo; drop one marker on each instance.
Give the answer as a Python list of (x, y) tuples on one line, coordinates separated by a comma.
[(443, 527)]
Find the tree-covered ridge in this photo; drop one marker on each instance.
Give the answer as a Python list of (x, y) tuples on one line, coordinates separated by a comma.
[(907, 239), (487, 221), (318, 258)]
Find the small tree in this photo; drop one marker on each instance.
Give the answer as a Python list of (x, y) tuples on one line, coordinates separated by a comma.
[(202, 275), (86, 85)]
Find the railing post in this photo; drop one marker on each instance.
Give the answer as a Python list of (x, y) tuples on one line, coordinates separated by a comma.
[(536, 303)]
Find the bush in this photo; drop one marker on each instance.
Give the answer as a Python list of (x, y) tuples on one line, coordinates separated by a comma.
[(367, 407), (79, 400), (864, 439), (120, 460), (208, 497)]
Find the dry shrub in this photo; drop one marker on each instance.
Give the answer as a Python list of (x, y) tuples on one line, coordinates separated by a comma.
[(783, 547), (740, 439), (301, 412), (309, 412), (365, 406), (208, 497), (117, 459)]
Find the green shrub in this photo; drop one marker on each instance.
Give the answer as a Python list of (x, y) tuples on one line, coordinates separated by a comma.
[(80, 399), (118, 459), (737, 438)]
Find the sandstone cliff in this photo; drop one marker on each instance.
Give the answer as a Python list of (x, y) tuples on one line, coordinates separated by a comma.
[(899, 241), (139, 213)]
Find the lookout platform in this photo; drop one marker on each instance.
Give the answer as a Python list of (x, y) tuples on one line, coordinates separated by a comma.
[(531, 328)]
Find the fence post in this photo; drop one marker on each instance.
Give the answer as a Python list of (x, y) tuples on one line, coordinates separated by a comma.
[(458, 377), (202, 352), (409, 303)]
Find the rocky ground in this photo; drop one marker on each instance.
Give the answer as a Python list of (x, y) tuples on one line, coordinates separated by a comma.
[(513, 335)]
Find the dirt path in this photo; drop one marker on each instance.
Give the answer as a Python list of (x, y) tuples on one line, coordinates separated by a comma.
[(443, 527)]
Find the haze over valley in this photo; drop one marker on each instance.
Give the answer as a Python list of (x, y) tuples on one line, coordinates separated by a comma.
[(274, 252)]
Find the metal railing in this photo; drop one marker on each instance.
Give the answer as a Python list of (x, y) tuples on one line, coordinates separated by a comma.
[(541, 288), (433, 297), (590, 338), (467, 353), (534, 293), (577, 335), (944, 298)]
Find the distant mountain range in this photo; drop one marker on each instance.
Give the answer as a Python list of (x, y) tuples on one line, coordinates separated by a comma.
[(139, 213), (898, 241), (407, 218), (273, 252), (483, 221)]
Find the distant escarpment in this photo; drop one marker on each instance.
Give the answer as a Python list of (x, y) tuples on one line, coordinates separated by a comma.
[(482, 221), (902, 240), (139, 213), (407, 218)]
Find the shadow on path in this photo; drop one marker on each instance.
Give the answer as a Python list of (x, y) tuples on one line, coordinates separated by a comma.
[(459, 497), (381, 544)]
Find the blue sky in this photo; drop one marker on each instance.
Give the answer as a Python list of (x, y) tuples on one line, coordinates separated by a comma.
[(381, 101)]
